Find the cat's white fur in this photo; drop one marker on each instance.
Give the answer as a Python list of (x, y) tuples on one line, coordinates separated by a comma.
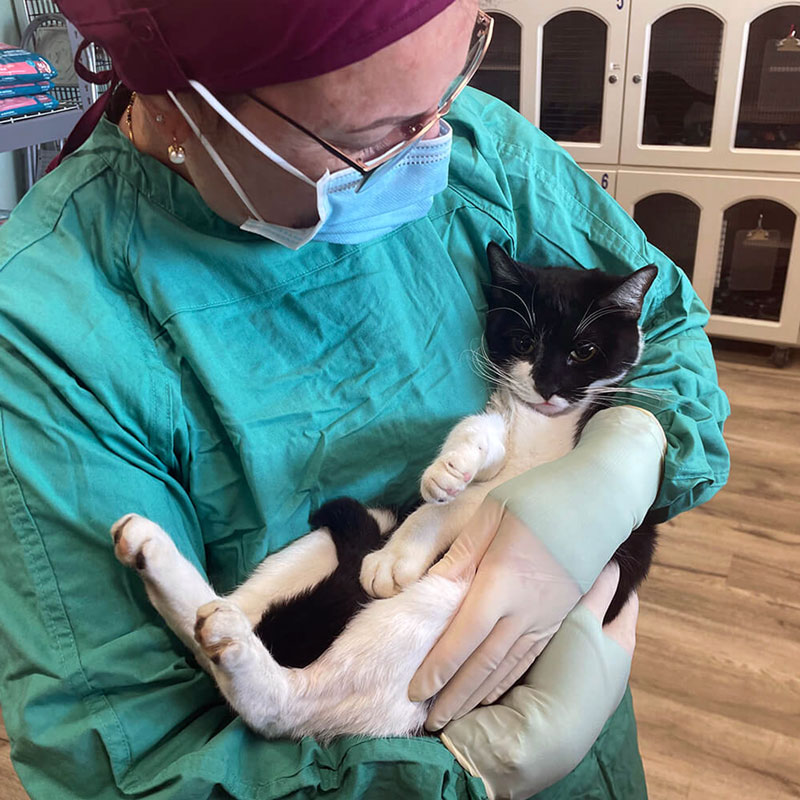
[(359, 685)]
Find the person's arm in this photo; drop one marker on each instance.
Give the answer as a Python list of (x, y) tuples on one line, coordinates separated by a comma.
[(99, 698), (558, 215), (542, 729), (562, 216), (555, 214)]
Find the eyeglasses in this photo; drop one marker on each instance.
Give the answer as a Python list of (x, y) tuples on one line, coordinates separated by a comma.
[(481, 38)]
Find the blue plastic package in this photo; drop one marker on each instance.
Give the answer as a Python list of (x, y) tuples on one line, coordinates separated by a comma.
[(22, 66), (22, 89), (32, 104)]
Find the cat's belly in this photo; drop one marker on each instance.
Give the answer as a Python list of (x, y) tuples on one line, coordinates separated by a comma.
[(360, 684)]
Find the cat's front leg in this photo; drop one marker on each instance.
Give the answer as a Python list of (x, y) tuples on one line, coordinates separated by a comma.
[(474, 451), (407, 555)]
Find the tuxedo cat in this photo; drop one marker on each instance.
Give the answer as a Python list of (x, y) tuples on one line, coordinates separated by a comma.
[(301, 648)]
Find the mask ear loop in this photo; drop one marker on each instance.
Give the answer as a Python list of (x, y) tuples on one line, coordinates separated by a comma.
[(245, 132), (215, 157)]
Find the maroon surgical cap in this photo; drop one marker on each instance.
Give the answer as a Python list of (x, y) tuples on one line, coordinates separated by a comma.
[(233, 45)]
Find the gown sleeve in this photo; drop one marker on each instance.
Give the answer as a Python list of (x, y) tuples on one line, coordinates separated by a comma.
[(555, 214)]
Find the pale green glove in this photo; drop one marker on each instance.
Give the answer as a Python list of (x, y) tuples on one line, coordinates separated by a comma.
[(540, 730), (535, 545), (585, 504)]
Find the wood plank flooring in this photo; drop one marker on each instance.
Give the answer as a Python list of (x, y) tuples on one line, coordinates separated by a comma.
[(716, 677)]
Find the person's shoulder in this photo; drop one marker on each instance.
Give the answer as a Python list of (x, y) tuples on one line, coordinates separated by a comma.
[(63, 262), (487, 124), (68, 220), (498, 154)]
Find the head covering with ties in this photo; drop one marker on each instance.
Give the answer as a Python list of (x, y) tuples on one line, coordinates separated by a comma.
[(235, 46)]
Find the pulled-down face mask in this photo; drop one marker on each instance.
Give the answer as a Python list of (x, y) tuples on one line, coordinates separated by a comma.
[(345, 215)]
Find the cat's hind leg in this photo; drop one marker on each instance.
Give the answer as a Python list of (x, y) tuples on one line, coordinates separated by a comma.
[(255, 685), (413, 547), (174, 585), (295, 569)]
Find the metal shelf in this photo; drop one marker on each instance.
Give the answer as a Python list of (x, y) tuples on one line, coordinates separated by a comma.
[(33, 129)]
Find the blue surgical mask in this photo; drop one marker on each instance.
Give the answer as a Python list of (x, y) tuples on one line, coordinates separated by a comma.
[(402, 194)]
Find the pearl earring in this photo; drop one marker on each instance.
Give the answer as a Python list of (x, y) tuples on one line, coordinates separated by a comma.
[(177, 155), (159, 118)]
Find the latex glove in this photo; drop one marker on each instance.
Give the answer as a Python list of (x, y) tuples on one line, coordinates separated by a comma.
[(535, 546), (517, 599), (543, 728)]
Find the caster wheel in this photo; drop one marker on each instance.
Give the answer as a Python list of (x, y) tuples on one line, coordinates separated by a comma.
[(780, 356)]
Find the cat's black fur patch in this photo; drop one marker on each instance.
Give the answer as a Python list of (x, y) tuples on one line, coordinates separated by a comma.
[(299, 631), (558, 300)]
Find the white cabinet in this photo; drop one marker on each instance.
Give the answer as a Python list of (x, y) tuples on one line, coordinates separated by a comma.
[(606, 176), (689, 114), (737, 238), (568, 66), (713, 85)]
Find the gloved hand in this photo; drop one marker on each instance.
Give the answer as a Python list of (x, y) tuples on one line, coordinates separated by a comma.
[(536, 544), (543, 728)]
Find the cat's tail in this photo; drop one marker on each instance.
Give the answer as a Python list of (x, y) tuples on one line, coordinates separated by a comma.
[(355, 529)]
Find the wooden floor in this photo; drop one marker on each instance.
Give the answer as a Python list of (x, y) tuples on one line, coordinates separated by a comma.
[(716, 677)]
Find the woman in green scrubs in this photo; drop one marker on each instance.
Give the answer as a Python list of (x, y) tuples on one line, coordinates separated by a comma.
[(199, 326)]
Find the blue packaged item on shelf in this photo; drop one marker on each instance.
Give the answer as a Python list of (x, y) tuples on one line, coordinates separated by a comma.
[(31, 104), (22, 66), (22, 89)]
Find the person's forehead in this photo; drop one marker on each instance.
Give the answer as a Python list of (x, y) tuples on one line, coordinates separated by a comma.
[(404, 79)]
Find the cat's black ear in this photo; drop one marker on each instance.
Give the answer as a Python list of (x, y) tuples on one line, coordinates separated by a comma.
[(504, 268), (630, 293)]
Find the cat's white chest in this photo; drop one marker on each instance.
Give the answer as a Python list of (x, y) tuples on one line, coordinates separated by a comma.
[(533, 438)]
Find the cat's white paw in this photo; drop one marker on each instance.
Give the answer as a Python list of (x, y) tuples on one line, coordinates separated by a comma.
[(141, 544), (222, 631), (389, 570), (450, 474)]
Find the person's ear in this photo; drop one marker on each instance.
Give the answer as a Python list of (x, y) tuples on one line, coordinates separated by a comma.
[(167, 122)]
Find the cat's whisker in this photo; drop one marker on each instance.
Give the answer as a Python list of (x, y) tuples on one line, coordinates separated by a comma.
[(486, 368), (511, 291), (513, 311), (482, 356), (596, 316), (585, 314), (642, 396), (611, 397), (494, 374), (656, 394), (620, 387)]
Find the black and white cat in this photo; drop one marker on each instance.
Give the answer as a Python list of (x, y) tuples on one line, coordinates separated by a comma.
[(301, 648)]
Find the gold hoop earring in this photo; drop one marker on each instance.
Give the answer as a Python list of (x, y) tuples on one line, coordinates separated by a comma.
[(177, 155), (129, 117)]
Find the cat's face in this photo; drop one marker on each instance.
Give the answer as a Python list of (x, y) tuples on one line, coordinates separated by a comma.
[(556, 334)]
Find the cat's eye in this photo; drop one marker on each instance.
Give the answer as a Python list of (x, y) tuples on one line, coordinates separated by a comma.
[(583, 353), (523, 345)]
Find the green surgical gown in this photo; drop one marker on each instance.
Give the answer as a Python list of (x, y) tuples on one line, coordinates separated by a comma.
[(156, 359)]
